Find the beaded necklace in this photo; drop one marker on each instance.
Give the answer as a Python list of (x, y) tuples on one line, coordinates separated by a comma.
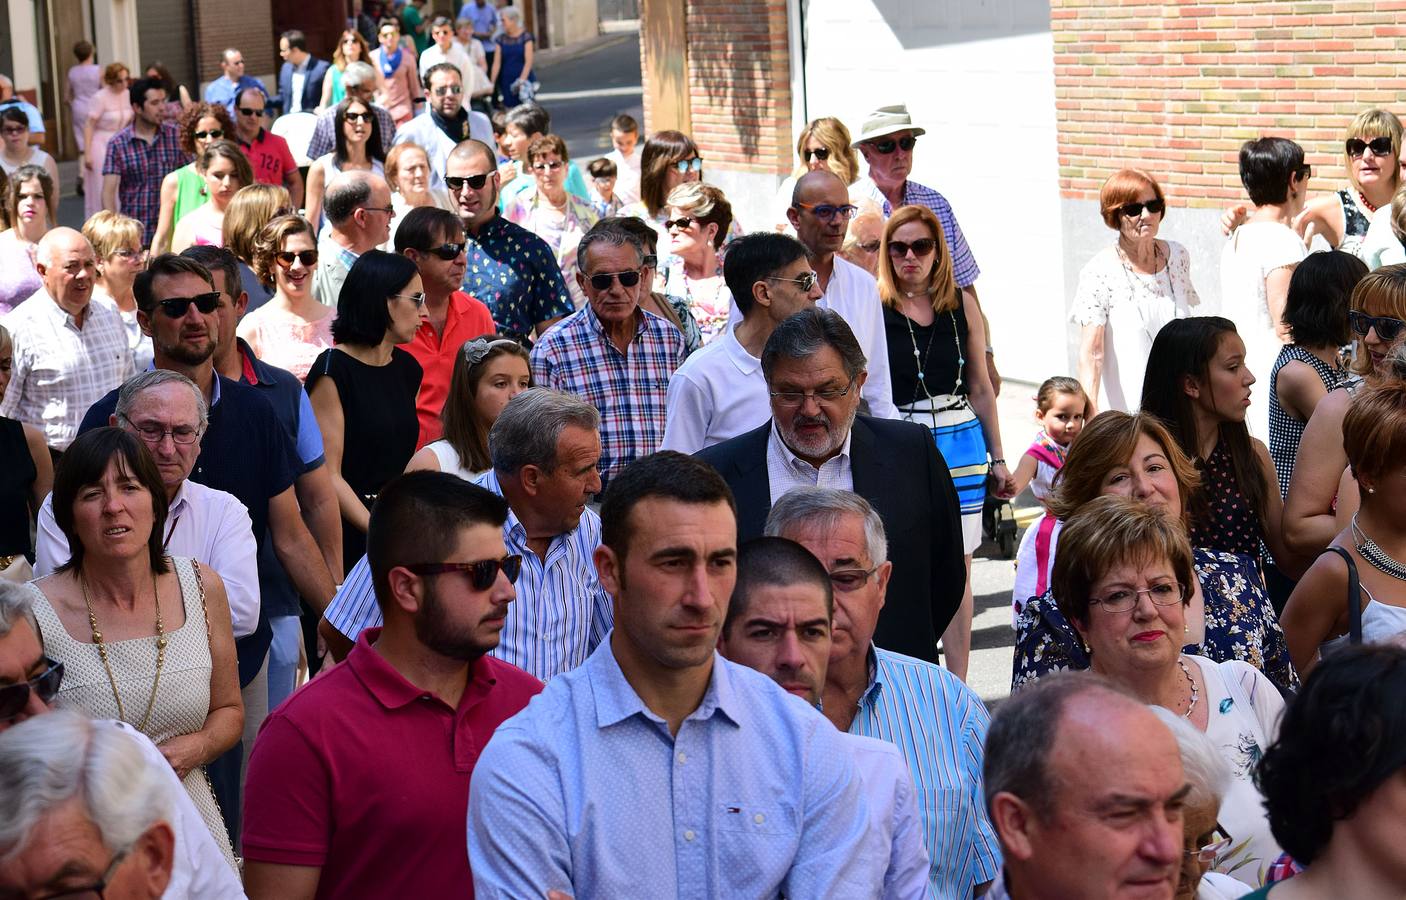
[(920, 360), (102, 653)]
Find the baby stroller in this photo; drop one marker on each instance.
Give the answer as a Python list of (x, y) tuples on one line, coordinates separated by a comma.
[(998, 524)]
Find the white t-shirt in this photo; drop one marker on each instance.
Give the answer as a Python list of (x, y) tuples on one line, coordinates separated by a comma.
[(717, 394), (449, 460), (893, 812)]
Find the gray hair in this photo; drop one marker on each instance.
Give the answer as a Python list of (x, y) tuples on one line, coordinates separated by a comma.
[(346, 192), (823, 507), (527, 431), (1205, 769), (511, 12), (132, 387), (808, 332), (47, 760), (610, 237), (358, 73), (15, 606)]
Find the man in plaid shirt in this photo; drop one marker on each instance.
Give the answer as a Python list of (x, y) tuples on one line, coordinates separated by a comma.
[(611, 353), (140, 156)]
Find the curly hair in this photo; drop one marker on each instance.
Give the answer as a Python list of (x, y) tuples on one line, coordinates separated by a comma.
[(191, 116), (270, 242)]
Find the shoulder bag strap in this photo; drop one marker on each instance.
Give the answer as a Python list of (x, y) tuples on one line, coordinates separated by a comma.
[(1354, 595)]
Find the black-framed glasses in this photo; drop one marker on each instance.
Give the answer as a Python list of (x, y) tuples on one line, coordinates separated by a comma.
[(1208, 852), (683, 223), (358, 116), (888, 146), (482, 573), (848, 580), (417, 298), (827, 212), (794, 399), (448, 90), (921, 247), (651, 261), (1303, 172), (446, 251), (176, 307), (15, 697), (388, 210), (95, 889), (550, 166), (250, 111), (1387, 327), (286, 258), (822, 154), (456, 183), (154, 434), (1380, 146), (684, 166), (601, 280), (1123, 599), (1133, 210), (213, 134), (805, 281)]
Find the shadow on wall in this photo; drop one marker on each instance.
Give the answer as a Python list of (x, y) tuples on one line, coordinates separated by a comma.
[(932, 23), (740, 88)]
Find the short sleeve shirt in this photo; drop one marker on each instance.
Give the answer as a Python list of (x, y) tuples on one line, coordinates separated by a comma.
[(270, 158), (435, 352), (515, 273)]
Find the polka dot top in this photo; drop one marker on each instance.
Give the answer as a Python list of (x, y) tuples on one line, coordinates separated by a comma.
[(1229, 522)]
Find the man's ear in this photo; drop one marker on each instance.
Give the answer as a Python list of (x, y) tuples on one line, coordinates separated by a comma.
[(1014, 822), (407, 590), (156, 851), (793, 217), (761, 293), (883, 575), (608, 569), (241, 305), (144, 322)]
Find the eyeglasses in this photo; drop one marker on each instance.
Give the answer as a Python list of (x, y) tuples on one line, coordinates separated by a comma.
[(793, 399), (848, 580), (1387, 328), (1303, 172), (358, 116), (154, 434), (1380, 146), (417, 298), (213, 134), (129, 253), (805, 280), (601, 280), (921, 247), (248, 111), (887, 147), (684, 166), (827, 212), (45, 686), (388, 210), (176, 307), (869, 246), (286, 258), (1209, 852), (650, 261), (14, 131), (456, 183), (682, 223), (446, 252), (482, 573), (448, 89), (1133, 210), (821, 154), (1124, 599), (96, 889), (548, 166)]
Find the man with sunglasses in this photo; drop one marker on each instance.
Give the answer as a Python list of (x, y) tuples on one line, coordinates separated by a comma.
[(359, 784), (359, 213), (611, 353), (29, 681), (359, 80), (938, 723), (446, 121), (268, 153)]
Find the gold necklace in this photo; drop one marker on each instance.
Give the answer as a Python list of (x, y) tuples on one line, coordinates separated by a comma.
[(102, 653)]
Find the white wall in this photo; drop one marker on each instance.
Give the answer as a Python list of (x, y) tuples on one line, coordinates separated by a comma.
[(115, 34), (24, 33), (979, 76)]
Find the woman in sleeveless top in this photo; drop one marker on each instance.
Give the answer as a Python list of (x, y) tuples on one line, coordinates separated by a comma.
[(225, 169), (26, 475), (109, 113), (358, 148), (351, 47), (488, 372), (363, 389), (183, 190), (292, 328), (83, 83), (143, 638), (1374, 438)]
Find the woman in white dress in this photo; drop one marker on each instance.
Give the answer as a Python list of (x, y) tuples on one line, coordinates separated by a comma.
[(487, 374), (1128, 291)]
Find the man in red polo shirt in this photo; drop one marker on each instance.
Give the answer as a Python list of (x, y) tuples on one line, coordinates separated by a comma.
[(434, 239), (358, 784), (268, 153)]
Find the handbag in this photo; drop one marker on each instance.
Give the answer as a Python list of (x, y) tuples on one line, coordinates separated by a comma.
[(1354, 595)]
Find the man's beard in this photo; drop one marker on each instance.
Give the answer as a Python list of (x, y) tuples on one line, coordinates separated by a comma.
[(433, 629)]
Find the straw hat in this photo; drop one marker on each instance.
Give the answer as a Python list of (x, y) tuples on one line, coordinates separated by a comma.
[(886, 120)]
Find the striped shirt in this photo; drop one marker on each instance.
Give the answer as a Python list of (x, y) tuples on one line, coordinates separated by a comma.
[(964, 267), (939, 725), (561, 612)]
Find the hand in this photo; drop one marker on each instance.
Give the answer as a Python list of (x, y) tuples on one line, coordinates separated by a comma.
[(184, 752), (1232, 219), (507, 172), (1003, 482)]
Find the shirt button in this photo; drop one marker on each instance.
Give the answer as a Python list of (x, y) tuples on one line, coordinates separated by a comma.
[(688, 835), (759, 818), (683, 757)]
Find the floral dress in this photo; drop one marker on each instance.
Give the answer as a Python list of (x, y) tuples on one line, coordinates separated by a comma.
[(1240, 624)]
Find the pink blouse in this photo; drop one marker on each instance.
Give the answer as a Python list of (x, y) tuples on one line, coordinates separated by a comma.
[(284, 340)]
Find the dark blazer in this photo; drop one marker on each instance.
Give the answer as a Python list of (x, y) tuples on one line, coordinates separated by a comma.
[(312, 85), (897, 468)]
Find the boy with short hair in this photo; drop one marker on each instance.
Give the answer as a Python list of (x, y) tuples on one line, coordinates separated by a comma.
[(603, 197), (625, 135)]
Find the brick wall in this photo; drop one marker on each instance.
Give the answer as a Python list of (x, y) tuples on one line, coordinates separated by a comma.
[(246, 24), (1177, 88)]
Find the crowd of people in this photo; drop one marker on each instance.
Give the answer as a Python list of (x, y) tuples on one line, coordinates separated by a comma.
[(428, 511)]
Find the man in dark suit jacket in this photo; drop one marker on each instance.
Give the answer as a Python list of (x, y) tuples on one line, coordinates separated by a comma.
[(293, 47), (814, 369)]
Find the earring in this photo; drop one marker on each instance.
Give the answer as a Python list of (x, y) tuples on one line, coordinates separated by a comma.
[(1371, 490)]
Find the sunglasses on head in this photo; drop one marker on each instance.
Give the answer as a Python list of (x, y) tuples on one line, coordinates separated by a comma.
[(1387, 328), (921, 247), (684, 166), (888, 146), (869, 246), (1380, 146), (14, 697), (1133, 210), (248, 111), (285, 258), (445, 251), (213, 134), (176, 307), (482, 573), (475, 182), (821, 154), (601, 281)]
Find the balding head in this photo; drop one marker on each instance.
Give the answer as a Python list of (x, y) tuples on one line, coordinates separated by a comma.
[(820, 186), (358, 206), (67, 266), (473, 151), (816, 193)]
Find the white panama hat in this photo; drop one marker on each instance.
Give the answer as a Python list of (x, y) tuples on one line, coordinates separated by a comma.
[(886, 120)]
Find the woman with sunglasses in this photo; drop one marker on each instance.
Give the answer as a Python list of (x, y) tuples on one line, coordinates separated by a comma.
[(550, 211), (117, 245), (27, 197), (28, 476), (669, 159), (488, 372), (1322, 495), (351, 47), (226, 170), (822, 144), (251, 209), (937, 367), (292, 329), (183, 190), (363, 389), (1128, 291), (358, 149), (699, 218), (17, 151)]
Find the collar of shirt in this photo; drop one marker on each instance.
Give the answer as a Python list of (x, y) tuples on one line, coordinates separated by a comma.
[(391, 689), (514, 533), (616, 701), (745, 362), (61, 317), (493, 228), (258, 139), (876, 681), (598, 327), (777, 445), (248, 371), (457, 128)]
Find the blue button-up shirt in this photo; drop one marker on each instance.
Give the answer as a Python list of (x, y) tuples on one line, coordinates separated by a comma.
[(586, 792), (939, 725), (223, 92), (515, 273)]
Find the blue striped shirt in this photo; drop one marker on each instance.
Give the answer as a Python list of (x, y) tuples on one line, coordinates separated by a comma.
[(939, 725), (561, 612)]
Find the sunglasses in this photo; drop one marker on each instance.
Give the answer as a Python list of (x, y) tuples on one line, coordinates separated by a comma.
[(921, 247), (446, 252), (247, 111), (683, 223), (448, 90), (215, 134), (805, 282), (417, 298), (1209, 852), (482, 573), (176, 307), (285, 258), (1387, 328), (684, 166), (822, 154), (601, 281), (14, 697), (1133, 210), (475, 182), (887, 147), (14, 131), (355, 116), (869, 246), (826, 212), (1380, 146), (548, 166)]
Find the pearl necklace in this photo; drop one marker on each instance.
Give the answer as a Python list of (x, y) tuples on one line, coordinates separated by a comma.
[(102, 653), (1195, 692)]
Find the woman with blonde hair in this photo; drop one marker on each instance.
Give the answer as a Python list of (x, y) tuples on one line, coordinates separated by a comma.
[(937, 369), (699, 216), (293, 328), (184, 190), (117, 246), (488, 372), (823, 144), (351, 47), (253, 207), (109, 112), (226, 170)]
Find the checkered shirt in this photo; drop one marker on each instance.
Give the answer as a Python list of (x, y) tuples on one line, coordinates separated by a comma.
[(141, 166)]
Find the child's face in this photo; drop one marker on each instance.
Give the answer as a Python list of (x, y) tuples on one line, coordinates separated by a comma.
[(1064, 419), (605, 186), (624, 141)]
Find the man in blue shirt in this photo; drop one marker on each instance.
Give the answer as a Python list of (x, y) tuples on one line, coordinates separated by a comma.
[(658, 768), (224, 90)]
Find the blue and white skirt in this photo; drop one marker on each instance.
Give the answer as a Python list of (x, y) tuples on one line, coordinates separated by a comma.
[(957, 433)]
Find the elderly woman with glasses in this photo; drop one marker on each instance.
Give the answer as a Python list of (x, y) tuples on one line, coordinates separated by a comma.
[(1128, 291), (1122, 580), (117, 245), (550, 211), (184, 190), (699, 218)]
